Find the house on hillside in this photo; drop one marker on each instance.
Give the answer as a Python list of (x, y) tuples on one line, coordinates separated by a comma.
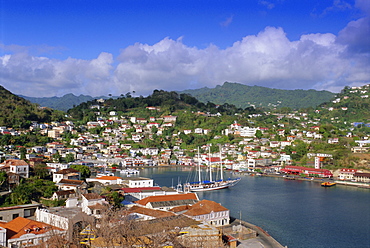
[(142, 192), (17, 166), (93, 204), (207, 211), (138, 182), (68, 173), (63, 194), (166, 202), (141, 213), (78, 186), (22, 232), (10, 213), (169, 118), (106, 180)]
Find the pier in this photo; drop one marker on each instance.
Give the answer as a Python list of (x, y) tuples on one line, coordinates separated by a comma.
[(262, 239)]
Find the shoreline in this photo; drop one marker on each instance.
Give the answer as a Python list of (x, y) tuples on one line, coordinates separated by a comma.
[(263, 237), (316, 180), (287, 177)]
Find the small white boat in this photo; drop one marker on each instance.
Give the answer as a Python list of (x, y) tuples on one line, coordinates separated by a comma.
[(104, 174), (129, 171)]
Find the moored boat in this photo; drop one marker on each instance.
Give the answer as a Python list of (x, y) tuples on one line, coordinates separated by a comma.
[(327, 184), (103, 174), (129, 171), (211, 184)]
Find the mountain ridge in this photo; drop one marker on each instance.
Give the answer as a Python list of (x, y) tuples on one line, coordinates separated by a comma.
[(244, 96), (240, 95)]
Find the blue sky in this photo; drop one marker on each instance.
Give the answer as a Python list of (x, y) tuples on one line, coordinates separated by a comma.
[(50, 48)]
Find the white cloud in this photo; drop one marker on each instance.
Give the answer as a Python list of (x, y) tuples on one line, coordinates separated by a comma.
[(318, 61), (40, 76), (267, 59)]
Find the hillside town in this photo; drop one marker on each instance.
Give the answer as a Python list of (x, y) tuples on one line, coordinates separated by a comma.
[(79, 164)]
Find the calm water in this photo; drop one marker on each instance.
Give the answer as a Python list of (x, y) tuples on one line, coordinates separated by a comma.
[(295, 213)]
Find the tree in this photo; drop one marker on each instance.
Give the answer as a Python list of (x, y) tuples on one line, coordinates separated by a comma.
[(70, 157), (57, 158), (115, 199), (23, 152), (258, 134), (3, 178), (40, 171), (83, 169)]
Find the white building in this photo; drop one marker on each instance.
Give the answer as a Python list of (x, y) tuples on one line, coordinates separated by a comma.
[(17, 166), (138, 182), (248, 131)]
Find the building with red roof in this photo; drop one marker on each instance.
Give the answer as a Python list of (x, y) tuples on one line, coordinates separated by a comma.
[(166, 202), (297, 170), (22, 232), (206, 211), (346, 174)]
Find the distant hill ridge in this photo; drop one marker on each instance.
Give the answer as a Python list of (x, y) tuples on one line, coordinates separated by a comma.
[(240, 95), (63, 103), (244, 96)]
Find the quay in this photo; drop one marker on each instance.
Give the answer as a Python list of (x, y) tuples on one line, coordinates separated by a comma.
[(263, 239), (316, 180)]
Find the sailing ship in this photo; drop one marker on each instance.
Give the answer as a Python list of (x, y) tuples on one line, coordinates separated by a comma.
[(208, 185)]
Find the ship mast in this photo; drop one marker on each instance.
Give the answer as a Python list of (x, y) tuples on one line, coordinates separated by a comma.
[(209, 163), (200, 181), (222, 174)]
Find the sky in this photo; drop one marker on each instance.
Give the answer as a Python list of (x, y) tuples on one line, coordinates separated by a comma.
[(52, 48)]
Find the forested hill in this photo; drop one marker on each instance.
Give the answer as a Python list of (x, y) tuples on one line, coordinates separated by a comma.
[(350, 105), (244, 96), (240, 95), (164, 101), (17, 112), (60, 103)]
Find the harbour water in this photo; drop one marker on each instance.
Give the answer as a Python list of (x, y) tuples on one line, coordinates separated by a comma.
[(296, 213)]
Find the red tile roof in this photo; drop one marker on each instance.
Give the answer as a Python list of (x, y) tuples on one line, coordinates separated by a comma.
[(92, 196), (108, 178), (14, 162), (163, 198), (20, 226), (138, 190), (150, 212), (205, 207), (67, 171), (70, 181)]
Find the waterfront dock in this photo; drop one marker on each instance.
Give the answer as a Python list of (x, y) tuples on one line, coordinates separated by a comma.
[(310, 179), (263, 239)]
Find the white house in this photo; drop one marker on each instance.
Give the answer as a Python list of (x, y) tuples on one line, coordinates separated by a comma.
[(93, 204), (106, 180), (207, 211), (138, 182), (69, 173), (17, 166), (22, 232)]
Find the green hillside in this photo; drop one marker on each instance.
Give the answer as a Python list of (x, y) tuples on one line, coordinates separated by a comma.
[(350, 105), (167, 103), (244, 96), (17, 112)]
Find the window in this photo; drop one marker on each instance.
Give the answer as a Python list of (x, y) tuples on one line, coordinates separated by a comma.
[(1, 217), (15, 216), (27, 213)]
